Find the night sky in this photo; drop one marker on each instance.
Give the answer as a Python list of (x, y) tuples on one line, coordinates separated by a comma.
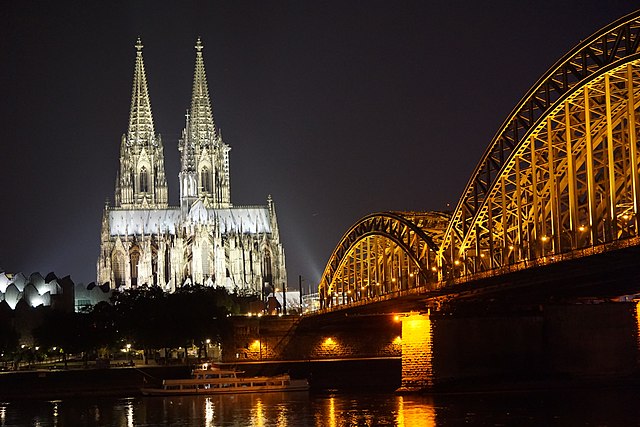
[(337, 109)]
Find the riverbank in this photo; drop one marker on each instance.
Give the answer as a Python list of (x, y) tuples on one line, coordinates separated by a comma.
[(382, 374), (374, 374)]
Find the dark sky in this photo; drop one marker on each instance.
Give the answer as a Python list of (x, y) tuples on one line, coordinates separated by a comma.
[(336, 108)]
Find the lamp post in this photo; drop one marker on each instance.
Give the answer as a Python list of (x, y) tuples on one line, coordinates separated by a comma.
[(544, 241), (129, 353)]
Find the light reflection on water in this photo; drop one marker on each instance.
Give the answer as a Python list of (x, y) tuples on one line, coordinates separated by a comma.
[(575, 407)]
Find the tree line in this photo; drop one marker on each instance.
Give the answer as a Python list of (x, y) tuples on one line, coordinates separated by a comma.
[(146, 318)]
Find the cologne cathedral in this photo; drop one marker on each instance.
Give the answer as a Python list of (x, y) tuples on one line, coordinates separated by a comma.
[(206, 239)]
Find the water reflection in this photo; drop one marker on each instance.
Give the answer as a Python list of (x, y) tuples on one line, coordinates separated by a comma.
[(130, 417), (208, 412), (606, 406), (54, 411), (415, 411), (257, 414), (3, 414)]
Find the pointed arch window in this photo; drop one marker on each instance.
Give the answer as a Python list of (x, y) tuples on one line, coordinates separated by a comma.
[(144, 180), (118, 267), (205, 180), (267, 275), (154, 262), (134, 259), (167, 263)]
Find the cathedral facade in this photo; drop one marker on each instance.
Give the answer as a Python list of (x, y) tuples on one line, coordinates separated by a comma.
[(205, 240)]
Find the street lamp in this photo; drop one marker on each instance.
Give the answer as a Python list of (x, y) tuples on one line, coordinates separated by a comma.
[(129, 352), (544, 241)]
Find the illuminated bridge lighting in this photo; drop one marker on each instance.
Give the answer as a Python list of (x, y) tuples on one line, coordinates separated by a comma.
[(559, 180)]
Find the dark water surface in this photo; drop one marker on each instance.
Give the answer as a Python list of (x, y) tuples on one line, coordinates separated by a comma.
[(571, 407)]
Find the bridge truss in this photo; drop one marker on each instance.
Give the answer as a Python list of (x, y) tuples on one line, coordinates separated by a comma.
[(559, 177)]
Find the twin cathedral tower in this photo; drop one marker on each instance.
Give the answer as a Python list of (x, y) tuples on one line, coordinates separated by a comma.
[(205, 240)]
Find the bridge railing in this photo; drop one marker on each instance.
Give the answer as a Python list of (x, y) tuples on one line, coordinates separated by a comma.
[(443, 287)]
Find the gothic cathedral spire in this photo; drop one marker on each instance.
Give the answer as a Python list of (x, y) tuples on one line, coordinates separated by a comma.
[(141, 181), (205, 240), (204, 173)]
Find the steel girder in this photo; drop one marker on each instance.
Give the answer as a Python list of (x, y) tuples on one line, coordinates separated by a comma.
[(550, 172), (559, 178), (383, 253)]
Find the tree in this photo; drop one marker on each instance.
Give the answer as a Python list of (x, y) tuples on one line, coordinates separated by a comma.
[(68, 331)]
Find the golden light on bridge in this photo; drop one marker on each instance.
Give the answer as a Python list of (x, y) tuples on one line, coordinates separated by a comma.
[(558, 180), (255, 346), (329, 342), (417, 351), (329, 346), (415, 411)]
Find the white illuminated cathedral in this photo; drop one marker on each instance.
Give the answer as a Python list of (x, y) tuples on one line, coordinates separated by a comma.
[(205, 240)]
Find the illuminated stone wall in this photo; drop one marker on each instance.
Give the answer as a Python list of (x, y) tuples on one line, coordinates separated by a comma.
[(316, 338), (417, 351), (453, 349), (205, 239)]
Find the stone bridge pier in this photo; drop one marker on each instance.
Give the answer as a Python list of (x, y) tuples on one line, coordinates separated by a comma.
[(458, 348), (547, 344)]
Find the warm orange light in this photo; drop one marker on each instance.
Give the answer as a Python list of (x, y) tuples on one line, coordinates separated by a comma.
[(396, 318), (544, 238), (434, 269), (393, 280), (398, 340), (510, 247), (329, 342), (581, 228), (456, 262)]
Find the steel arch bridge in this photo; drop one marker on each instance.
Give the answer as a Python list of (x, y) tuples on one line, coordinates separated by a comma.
[(558, 180)]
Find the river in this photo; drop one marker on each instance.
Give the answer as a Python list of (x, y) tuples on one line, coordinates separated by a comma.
[(568, 407)]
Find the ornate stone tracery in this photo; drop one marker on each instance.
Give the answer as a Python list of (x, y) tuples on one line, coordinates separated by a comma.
[(204, 240)]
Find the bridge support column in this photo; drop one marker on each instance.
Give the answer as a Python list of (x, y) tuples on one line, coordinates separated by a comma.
[(500, 346), (417, 352)]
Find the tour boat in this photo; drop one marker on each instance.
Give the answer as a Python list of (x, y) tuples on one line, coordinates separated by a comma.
[(210, 379)]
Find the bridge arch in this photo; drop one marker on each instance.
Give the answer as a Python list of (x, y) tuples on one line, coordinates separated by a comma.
[(561, 174), (559, 179), (381, 254)]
